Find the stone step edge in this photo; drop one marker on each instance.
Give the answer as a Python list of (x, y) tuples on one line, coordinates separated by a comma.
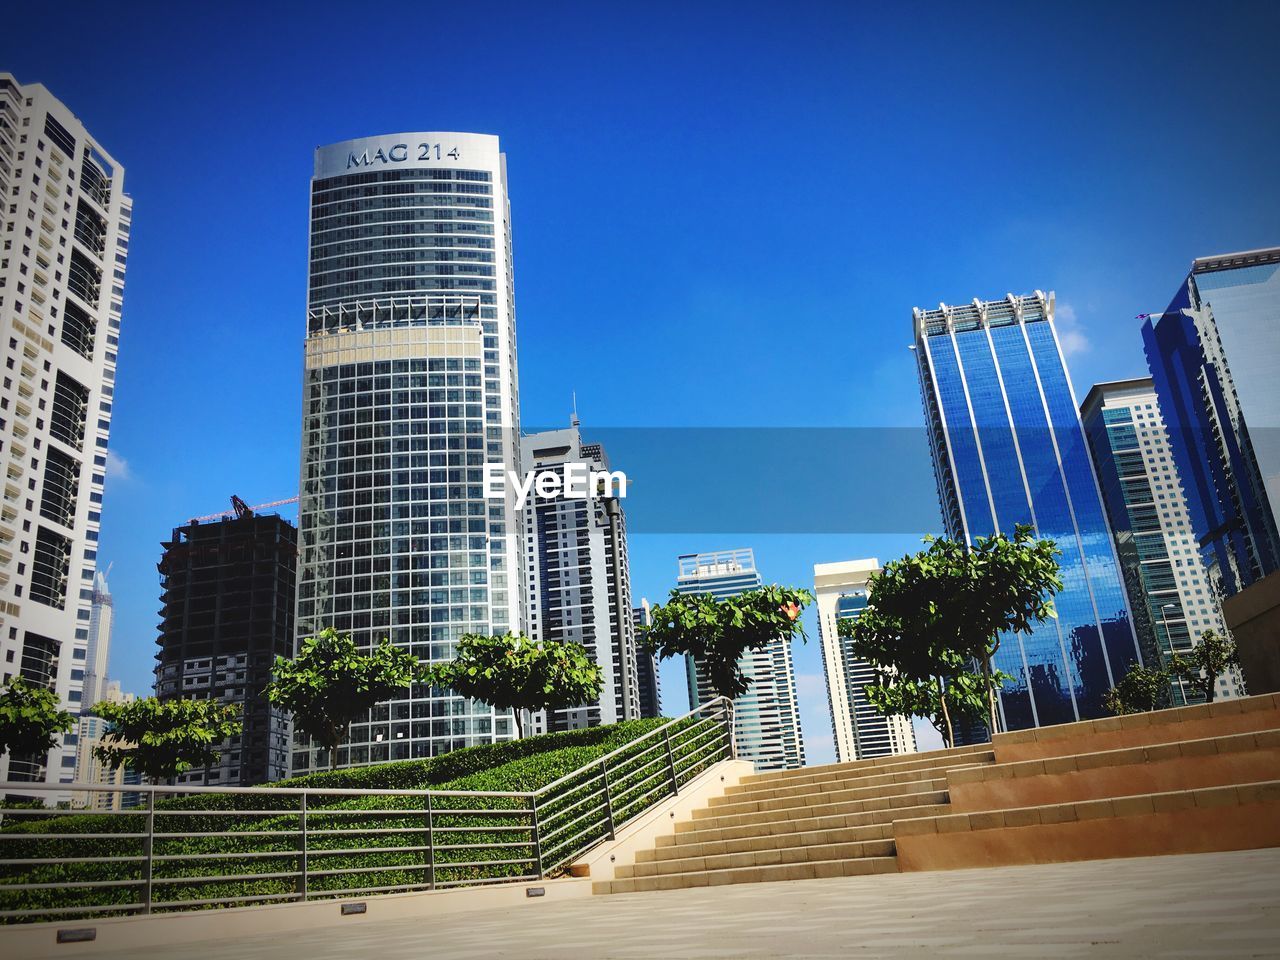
[(813, 869), (901, 758), (816, 810), (853, 850), (737, 794), (876, 831), (806, 801), (679, 839), (1266, 791)]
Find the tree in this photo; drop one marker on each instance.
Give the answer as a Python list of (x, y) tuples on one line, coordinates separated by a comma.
[(163, 739), (1139, 690), (514, 673), (932, 614), (30, 719), (1208, 660), (330, 683), (718, 632)]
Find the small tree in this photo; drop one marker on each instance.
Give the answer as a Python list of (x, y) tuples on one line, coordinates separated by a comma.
[(514, 673), (933, 613), (1139, 690), (163, 739), (1208, 660), (330, 683), (718, 632), (30, 719)]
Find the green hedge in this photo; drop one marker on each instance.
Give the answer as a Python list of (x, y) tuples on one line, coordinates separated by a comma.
[(245, 864)]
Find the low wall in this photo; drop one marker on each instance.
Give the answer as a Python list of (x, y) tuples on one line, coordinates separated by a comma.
[(1201, 821), (1162, 768), (1236, 715)]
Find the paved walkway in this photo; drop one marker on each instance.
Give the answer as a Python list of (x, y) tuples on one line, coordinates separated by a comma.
[(1203, 905)]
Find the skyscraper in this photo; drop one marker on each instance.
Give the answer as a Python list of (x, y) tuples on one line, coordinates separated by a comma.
[(64, 239), (227, 613), (409, 389), (1214, 356), (98, 652), (766, 722), (578, 578), (648, 679), (1008, 448), (89, 769), (861, 731), (1170, 594)]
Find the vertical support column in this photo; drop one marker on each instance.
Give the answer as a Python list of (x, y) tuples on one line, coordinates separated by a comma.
[(431, 844), (148, 851), (302, 866), (537, 839), (671, 763), (608, 800)]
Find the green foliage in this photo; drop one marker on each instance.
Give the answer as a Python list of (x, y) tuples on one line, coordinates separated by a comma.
[(515, 673), (162, 740), (1139, 690), (30, 719), (1211, 657), (330, 683), (933, 613), (512, 766), (719, 632)]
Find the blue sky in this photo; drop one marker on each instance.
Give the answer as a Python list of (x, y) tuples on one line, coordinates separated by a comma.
[(723, 213)]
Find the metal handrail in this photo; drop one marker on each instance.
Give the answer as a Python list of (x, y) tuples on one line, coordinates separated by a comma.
[(537, 834)]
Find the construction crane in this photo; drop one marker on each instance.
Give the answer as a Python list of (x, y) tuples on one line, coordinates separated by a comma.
[(241, 509)]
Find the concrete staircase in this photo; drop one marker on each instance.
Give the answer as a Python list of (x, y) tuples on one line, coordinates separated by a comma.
[(831, 821)]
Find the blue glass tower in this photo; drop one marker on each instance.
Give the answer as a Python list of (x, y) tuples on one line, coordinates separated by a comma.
[(1008, 448), (1214, 356)]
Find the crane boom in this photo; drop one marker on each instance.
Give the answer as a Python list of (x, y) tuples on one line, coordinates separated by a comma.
[(239, 508)]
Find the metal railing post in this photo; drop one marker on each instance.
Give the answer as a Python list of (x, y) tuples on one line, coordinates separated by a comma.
[(608, 800), (302, 877), (671, 764), (537, 839), (431, 844), (148, 851), (733, 739)]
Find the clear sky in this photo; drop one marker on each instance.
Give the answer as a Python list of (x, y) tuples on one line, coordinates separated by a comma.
[(723, 214)]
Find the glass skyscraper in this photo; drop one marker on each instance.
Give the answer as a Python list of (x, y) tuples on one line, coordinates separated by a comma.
[(409, 389), (1214, 356), (1172, 599), (766, 722), (1008, 448)]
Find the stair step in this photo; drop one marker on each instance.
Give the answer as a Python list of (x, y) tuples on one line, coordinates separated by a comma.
[(901, 761), (809, 800), (839, 821), (866, 805), (809, 870), (840, 780), (760, 858), (875, 831)]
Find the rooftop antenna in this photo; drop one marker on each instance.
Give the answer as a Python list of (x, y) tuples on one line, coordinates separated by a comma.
[(574, 421)]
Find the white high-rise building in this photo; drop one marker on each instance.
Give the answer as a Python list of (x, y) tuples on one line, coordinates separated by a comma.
[(409, 390), (64, 238), (860, 730), (766, 721), (101, 615), (578, 591), (89, 769)]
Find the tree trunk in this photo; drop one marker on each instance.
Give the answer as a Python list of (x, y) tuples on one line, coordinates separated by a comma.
[(515, 712), (950, 733), (991, 693)]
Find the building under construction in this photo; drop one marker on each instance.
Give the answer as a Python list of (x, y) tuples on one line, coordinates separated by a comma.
[(227, 608)]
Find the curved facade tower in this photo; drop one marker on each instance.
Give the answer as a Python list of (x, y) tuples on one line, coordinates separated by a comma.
[(1008, 448), (409, 389)]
